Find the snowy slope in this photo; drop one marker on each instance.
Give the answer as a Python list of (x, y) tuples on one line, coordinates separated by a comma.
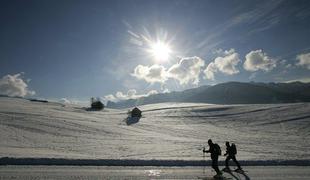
[(166, 131)]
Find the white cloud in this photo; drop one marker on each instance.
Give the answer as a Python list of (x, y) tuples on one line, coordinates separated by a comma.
[(258, 60), (120, 96), (73, 101), (210, 71), (110, 97), (151, 92), (65, 101), (166, 91), (151, 74), (226, 63), (14, 85), (303, 60), (131, 94), (187, 70), (253, 76)]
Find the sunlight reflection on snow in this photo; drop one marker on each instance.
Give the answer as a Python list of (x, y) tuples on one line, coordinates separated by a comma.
[(153, 172)]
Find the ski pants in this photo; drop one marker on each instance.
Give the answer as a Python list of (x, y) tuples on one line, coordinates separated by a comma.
[(215, 164), (229, 157)]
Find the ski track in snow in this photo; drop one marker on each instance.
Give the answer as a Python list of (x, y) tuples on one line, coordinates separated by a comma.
[(166, 131)]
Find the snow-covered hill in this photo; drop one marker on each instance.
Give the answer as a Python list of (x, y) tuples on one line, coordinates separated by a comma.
[(166, 131)]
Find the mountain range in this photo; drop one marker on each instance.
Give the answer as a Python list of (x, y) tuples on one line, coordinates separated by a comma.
[(228, 93)]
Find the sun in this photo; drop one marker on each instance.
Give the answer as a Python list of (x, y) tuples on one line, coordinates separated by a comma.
[(160, 50)]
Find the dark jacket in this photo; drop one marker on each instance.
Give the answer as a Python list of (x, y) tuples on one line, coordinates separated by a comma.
[(213, 151), (230, 150)]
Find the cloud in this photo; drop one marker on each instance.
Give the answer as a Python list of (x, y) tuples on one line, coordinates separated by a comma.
[(120, 96), (14, 85), (210, 71), (65, 101), (226, 63), (110, 97), (258, 60), (166, 91), (131, 94), (303, 60), (284, 63), (304, 80), (151, 92), (151, 74), (73, 101), (187, 70)]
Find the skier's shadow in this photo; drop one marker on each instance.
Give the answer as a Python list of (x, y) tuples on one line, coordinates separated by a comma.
[(245, 175), (234, 176)]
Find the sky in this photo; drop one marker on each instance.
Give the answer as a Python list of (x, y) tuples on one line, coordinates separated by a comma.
[(76, 49)]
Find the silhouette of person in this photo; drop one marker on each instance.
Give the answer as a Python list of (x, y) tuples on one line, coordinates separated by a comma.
[(231, 152), (215, 151)]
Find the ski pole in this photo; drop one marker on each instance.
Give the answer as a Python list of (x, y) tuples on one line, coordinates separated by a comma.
[(204, 167)]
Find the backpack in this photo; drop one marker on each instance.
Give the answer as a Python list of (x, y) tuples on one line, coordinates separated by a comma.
[(218, 150), (233, 149)]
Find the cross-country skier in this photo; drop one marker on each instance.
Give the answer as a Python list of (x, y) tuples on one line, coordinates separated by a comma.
[(215, 151), (231, 152)]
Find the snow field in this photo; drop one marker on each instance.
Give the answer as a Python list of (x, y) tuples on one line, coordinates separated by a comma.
[(166, 131)]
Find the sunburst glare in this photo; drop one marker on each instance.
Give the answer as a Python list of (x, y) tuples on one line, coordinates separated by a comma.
[(160, 50)]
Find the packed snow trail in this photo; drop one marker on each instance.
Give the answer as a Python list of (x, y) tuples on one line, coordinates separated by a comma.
[(166, 131), (120, 173)]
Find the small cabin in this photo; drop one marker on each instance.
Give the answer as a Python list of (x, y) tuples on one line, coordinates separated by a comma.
[(136, 112), (96, 104)]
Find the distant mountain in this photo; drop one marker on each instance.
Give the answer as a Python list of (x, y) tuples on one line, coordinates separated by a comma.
[(229, 93)]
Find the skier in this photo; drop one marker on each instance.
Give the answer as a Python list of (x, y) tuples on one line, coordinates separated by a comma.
[(215, 151), (231, 151)]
